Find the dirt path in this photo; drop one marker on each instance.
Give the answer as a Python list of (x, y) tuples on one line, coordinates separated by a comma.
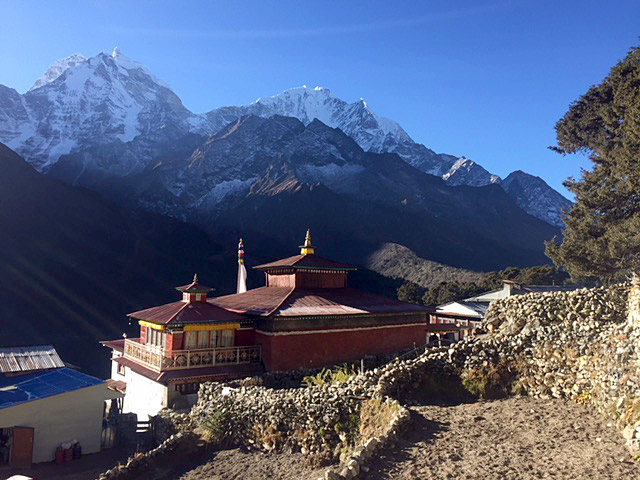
[(236, 464), (517, 438)]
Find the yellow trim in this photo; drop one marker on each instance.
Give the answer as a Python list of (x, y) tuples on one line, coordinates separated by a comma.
[(196, 328), (151, 325)]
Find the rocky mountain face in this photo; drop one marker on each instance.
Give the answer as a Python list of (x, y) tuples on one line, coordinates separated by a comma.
[(277, 176), (533, 195), (468, 172)]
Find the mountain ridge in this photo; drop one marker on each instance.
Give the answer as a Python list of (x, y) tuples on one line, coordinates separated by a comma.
[(120, 100)]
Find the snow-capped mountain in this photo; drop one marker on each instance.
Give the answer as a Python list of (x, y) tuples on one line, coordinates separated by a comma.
[(534, 196), (87, 101), (273, 176), (468, 172), (87, 120), (372, 132)]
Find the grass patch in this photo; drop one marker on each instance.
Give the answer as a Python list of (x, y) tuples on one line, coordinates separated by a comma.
[(331, 376)]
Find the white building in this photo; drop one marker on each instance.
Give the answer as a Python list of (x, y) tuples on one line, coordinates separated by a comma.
[(469, 313), (44, 404)]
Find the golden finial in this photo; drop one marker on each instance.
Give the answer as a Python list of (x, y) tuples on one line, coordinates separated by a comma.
[(195, 278), (307, 248)]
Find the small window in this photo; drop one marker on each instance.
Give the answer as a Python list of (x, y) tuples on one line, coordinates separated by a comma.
[(190, 340), (227, 338), (121, 369), (203, 339), (187, 388)]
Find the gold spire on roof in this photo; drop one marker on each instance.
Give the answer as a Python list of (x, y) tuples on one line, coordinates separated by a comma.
[(195, 278), (307, 248)]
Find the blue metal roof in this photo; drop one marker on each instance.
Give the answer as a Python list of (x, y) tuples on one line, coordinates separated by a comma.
[(34, 386)]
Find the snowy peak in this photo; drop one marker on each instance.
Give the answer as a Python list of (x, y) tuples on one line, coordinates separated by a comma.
[(536, 197), (58, 68), (305, 104), (127, 63), (81, 102), (468, 172)]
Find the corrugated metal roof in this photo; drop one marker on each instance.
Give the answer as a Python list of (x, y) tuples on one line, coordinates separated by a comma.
[(26, 359), (35, 386)]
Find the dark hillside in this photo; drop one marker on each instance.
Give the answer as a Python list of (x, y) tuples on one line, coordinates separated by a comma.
[(72, 264)]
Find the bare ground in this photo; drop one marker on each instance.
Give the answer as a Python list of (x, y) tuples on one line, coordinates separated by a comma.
[(516, 438), (238, 464)]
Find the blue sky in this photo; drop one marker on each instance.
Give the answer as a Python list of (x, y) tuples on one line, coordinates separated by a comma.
[(484, 79)]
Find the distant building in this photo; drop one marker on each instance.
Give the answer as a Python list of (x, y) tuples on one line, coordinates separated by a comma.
[(43, 404), (305, 316), (456, 319)]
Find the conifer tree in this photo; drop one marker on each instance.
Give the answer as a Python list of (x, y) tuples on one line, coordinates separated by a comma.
[(602, 237)]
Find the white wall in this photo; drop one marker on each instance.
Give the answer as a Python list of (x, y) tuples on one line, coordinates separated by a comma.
[(61, 418), (144, 397)]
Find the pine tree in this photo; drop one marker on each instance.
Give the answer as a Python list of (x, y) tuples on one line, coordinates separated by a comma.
[(602, 237)]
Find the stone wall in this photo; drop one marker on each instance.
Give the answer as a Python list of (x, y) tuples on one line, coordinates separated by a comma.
[(582, 346)]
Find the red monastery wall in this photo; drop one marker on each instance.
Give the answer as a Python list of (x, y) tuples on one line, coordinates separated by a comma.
[(312, 350), (174, 341), (245, 337)]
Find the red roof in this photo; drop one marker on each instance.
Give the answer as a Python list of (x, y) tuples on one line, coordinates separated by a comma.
[(194, 287), (306, 262), (288, 302), (186, 312), (115, 344)]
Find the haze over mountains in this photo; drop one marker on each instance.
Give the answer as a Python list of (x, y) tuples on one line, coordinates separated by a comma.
[(269, 170)]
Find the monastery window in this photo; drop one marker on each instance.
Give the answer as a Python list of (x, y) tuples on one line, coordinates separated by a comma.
[(203, 339), (190, 340), (227, 338), (156, 338), (121, 369)]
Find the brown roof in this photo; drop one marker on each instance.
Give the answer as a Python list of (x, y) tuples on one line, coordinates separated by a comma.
[(306, 262), (194, 287), (115, 344), (288, 302), (117, 385), (186, 312), (259, 301)]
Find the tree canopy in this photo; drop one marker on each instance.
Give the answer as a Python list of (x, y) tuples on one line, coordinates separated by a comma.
[(602, 236)]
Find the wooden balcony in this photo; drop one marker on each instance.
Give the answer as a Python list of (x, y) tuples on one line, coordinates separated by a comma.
[(161, 360)]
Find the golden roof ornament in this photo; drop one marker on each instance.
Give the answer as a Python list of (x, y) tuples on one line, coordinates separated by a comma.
[(195, 278), (307, 248)]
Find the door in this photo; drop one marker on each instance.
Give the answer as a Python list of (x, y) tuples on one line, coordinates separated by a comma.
[(22, 447)]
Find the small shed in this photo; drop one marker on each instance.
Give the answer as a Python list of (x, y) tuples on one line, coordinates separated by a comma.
[(46, 406)]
